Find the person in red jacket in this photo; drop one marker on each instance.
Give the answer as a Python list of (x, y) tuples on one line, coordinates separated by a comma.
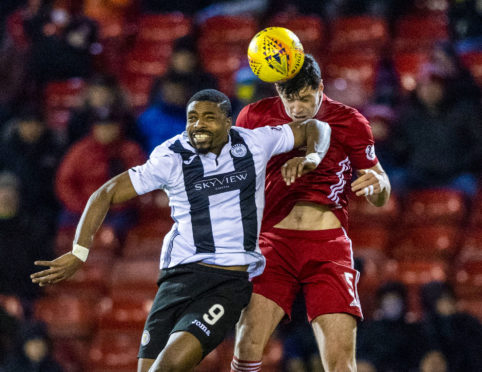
[(90, 163)]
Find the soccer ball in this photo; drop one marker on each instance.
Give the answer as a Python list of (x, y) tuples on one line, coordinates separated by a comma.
[(275, 54)]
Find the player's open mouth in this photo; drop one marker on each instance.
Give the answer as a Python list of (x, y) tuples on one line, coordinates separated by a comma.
[(201, 136)]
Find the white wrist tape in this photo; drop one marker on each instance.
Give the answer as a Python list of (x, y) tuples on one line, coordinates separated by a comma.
[(314, 157), (80, 252)]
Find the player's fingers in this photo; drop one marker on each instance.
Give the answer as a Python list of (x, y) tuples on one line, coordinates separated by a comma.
[(45, 263), (361, 185), (300, 168), (283, 170), (44, 273)]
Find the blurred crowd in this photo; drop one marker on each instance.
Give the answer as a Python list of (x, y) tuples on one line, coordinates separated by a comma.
[(77, 107)]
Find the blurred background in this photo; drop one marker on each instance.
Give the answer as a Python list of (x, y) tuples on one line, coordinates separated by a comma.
[(88, 89)]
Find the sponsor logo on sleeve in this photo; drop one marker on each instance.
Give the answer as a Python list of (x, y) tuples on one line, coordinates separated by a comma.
[(146, 337), (370, 151)]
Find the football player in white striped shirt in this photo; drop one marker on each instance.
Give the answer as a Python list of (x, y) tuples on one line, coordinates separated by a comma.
[(214, 175)]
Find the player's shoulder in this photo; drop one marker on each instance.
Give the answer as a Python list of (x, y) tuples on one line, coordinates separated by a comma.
[(167, 147), (335, 112), (255, 114)]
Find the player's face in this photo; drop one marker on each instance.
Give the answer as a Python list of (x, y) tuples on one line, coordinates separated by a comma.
[(207, 126), (303, 105)]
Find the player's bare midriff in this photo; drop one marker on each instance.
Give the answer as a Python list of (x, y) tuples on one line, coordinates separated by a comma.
[(309, 216), (232, 268)]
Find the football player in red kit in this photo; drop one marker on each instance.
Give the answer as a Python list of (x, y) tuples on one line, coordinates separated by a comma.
[(303, 234)]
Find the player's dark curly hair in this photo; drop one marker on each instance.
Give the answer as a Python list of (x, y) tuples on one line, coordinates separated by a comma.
[(309, 76), (213, 95)]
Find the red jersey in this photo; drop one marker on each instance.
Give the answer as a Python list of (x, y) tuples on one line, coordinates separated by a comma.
[(351, 145)]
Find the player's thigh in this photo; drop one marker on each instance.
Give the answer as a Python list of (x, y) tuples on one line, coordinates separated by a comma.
[(335, 335), (183, 352), (212, 315), (143, 364), (258, 321)]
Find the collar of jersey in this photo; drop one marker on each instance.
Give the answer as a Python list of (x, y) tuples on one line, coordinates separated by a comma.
[(185, 143)]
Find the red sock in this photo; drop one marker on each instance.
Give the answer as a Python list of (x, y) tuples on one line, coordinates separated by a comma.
[(238, 365)]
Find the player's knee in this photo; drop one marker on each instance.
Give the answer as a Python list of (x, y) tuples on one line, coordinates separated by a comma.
[(341, 359), (171, 363)]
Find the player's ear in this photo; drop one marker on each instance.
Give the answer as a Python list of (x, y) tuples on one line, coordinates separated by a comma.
[(321, 87)]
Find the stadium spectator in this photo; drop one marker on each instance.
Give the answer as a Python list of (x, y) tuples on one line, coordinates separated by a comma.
[(102, 94), (29, 149), (455, 334), (34, 352), (401, 352), (23, 239), (461, 84), (70, 38), (318, 261), (90, 163), (437, 139), (185, 61), (165, 115), (433, 361)]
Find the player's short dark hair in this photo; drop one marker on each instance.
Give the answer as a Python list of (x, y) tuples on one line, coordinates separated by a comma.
[(309, 76), (213, 95)]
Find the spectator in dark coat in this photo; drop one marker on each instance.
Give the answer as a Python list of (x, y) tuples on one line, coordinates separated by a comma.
[(457, 335), (437, 139), (34, 352), (390, 342)]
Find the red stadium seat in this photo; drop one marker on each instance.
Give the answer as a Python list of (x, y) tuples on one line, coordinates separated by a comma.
[(473, 61), (90, 282), (134, 280), (414, 274), (66, 316), (60, 97), (471, 247), (154, 206), (408, 65), (15, 29), (223, 64), (219, 359), (164, 27), (148, 59), (374, 238), (114, 351), (123, 314), (419, 32), (70, 353), (232, 32), (362, 213), (434, 206), (475, 216), (347, 71), (435, 241), (309, 29), (145, 241), (359, 33), (106, 244), (468, 280)]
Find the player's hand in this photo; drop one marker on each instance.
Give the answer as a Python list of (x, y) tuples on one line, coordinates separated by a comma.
[(61, 268), (296, 167), (368, 183)]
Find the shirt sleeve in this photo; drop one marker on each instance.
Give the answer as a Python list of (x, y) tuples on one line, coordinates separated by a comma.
[(275, 140), (155, 173), (242, 119), (361, 146)]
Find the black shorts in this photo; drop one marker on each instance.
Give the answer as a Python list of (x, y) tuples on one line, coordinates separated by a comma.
[(201, 300)]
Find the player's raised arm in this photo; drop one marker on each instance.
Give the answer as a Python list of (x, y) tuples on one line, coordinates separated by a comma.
[(316, 135), (117, 190)]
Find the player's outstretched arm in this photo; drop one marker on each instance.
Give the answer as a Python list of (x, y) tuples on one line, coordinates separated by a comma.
[(116, 190), (373, 183), (316, 135)]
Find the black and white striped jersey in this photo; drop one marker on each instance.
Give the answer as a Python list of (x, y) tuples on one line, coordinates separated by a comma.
[(216, 202)]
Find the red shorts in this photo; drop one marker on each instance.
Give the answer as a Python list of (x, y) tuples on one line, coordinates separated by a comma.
[(319, 262)]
